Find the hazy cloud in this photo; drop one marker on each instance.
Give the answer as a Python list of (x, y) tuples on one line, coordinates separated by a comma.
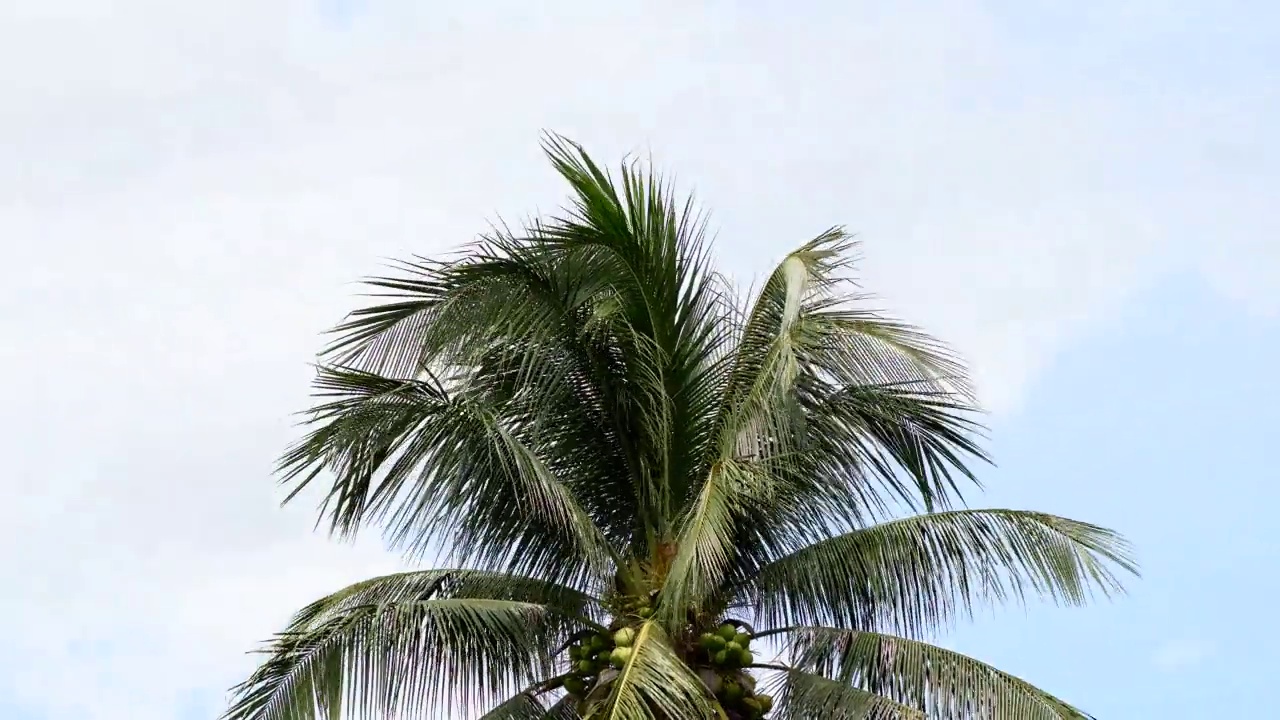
[(187, 190)]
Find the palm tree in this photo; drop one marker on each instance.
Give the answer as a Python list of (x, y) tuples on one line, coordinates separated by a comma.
[(666, 499)]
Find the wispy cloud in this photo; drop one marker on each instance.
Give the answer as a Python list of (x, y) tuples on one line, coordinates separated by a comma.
[(184, 216)]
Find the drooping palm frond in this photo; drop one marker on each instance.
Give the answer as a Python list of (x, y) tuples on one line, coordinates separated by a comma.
[(528, 706), (446, 467), (942, 684), (915, 575), (805, 696), (752, 421), (531, 332), (888, 410), (413, 642), (823, 406), (523, 706)]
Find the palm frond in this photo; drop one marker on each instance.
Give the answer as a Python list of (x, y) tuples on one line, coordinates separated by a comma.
[(914, 575), (528, 706), (752, 421), (563, 709), (828, 407), (523, 706), (706, 548), (449, 470), (411, 642), (669, 301), (942, 684), (386, 338), (881, 398), (530, 331), (805, 696)]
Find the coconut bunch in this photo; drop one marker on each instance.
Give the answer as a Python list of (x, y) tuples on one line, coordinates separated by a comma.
[(723, 653), (590, 656), (720, 657), (728, 647)]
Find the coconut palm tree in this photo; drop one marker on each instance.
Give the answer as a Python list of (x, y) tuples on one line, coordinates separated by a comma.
[(664, 498)]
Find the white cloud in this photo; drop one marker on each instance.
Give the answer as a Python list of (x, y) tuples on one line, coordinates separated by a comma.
[(186, 189)]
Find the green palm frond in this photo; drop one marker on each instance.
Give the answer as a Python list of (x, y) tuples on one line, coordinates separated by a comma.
[(891, 442), (880, 397), (943, 684), (914, 575), (805, 696), (669, 304), (823, 406), (523, 706), (528, 706), (753, 420), (449, 469), (529, 332), (387, 338), (706, 547), (410, 642)]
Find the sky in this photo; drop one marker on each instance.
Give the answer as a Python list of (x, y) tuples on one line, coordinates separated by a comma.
[(1078, 195)]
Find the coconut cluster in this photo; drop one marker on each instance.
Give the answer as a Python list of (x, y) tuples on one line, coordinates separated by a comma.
[(592, 655), (720, 658), (727, 647), (727, 650)]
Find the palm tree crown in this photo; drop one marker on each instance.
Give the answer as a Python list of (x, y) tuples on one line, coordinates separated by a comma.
[(666, 499)]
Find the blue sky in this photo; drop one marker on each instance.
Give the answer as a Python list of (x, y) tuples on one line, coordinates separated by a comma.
[(1080, 196), (1161, 427)]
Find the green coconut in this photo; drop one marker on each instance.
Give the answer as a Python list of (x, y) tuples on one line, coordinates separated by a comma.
[(766, 702), (645, 612), (745, 657), (586, 667), (620, 656), (721, 658), (575, 685), (624, 637), (575, 652), (727, 631), (742, 639), (731, 692), (752, 706)]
